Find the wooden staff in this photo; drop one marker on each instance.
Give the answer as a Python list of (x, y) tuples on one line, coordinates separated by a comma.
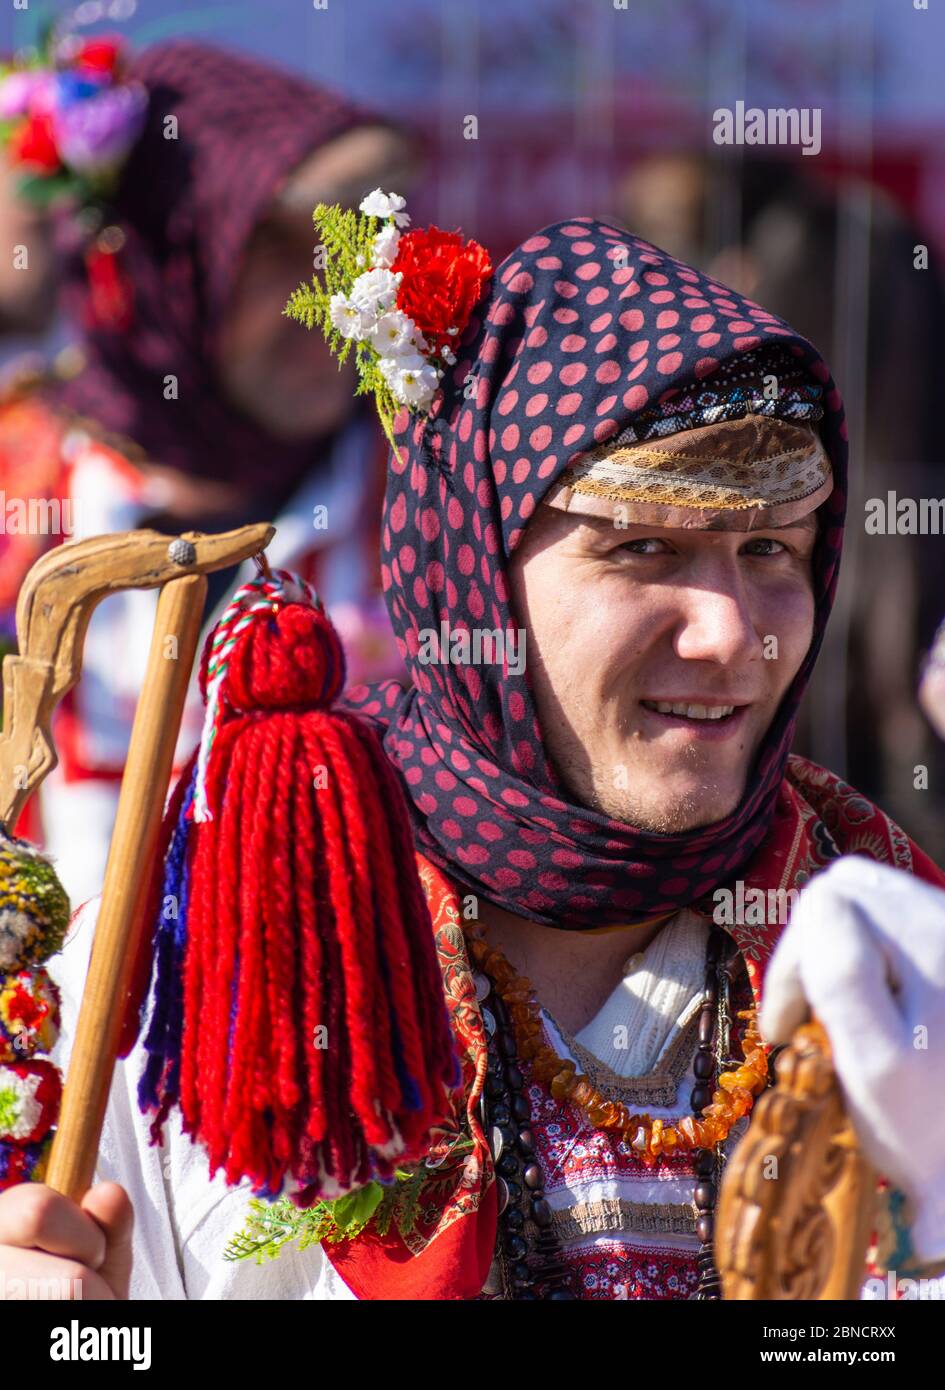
[(53, 611)]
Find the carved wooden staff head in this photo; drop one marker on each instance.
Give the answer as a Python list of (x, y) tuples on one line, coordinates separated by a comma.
[(53, 610)]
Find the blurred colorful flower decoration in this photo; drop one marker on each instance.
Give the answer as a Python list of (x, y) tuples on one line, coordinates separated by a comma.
[(67, 118)]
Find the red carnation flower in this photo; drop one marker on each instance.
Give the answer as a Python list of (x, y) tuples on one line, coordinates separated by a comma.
[(98, 55), (33, 143), (443, 279)]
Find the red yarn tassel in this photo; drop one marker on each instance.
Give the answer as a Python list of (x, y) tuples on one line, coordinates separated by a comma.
[(315, 1042)]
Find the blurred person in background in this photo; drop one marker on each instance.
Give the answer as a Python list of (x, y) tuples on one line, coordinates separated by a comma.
[(788, 257), (27, 292), (29, 461), (195, 406)]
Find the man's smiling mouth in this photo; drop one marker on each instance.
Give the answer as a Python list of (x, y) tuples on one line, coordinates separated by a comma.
[(696, 713), (689, 711)]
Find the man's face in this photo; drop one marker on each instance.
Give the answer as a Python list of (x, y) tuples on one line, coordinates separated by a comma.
[(624, 623)]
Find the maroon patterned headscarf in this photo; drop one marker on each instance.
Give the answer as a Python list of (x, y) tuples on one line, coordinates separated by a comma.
[(589, 334), (188, 206)]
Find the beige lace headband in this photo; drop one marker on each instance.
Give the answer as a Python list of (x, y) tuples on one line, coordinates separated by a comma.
[(736, 475)]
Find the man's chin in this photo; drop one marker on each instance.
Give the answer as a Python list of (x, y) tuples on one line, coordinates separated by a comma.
[(673, 813)]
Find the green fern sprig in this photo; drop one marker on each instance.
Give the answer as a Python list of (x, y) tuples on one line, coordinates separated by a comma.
[(272, 1225), (268, 1228), (371, 380)]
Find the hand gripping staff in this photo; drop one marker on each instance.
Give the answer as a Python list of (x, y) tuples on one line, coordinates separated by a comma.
[(53, 612)]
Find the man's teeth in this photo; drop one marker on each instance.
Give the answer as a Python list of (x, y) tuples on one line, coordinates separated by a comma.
[(690, 711)]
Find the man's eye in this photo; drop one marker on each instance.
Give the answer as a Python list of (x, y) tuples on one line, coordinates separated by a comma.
[(766, 546), (646, 545)]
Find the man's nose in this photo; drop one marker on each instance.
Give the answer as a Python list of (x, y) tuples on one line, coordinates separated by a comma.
[(716, 621)]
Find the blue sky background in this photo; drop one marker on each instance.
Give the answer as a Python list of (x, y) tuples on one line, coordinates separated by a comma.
[(537, 54)]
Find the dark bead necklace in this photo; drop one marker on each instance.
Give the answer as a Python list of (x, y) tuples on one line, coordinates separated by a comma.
[(537, 1269), (507, 1121), (715, 1021)]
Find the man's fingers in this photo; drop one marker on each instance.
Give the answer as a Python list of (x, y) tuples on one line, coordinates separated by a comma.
[(110, 1207), (35, 1274), (32, 1216)]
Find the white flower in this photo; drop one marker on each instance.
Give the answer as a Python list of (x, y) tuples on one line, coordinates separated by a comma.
[(412, 380), (375, 291), (393, 367), (379, 204), (385, 245), (350, 321), (394, 334)]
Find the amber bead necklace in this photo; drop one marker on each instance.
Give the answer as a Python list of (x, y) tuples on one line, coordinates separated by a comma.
[(648, 1137)]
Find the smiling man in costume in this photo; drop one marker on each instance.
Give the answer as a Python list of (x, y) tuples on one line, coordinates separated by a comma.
[(645, 473)]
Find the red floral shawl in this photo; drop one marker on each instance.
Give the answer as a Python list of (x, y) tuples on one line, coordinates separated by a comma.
[(448, 1253)]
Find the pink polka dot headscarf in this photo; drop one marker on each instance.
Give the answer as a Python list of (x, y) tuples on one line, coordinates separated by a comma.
[(588, 334)]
